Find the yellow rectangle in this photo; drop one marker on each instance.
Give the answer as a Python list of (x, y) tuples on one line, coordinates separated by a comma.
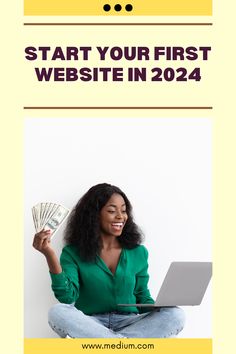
[(138, 8), (160, 346)]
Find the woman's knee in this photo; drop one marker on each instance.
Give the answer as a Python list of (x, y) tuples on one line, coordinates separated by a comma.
[(61, 318), (59, 312), (177, 316)]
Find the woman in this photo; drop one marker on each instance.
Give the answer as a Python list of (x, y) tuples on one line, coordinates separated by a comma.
[(102, 265)]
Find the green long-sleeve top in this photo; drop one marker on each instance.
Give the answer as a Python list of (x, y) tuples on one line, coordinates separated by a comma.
[(95, 289)]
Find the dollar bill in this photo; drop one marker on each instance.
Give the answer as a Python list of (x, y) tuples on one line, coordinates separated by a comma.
[(49, 216)]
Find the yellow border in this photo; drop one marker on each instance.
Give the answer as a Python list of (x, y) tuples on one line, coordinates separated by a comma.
[(140, 7), (11, 142)]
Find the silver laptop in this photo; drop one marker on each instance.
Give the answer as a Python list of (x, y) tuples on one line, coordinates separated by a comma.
[(184, 285)]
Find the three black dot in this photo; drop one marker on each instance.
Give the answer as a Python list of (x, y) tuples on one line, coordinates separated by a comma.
[(118, 7)]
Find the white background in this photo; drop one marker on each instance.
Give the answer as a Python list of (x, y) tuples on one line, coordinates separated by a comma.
[(164, 167)]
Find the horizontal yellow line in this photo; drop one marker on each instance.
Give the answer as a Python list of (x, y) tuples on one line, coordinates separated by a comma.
[(140, 7), (161, 346)]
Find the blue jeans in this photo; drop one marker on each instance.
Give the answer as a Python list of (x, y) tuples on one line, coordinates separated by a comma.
[(67, 320)]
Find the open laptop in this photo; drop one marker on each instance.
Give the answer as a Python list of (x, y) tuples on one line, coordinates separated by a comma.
[(184, 285)]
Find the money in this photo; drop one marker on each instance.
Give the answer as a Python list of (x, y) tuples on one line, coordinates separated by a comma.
[(49, 216)]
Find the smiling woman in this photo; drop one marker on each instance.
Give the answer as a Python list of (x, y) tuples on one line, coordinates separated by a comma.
[(90, 226), (104, 264)]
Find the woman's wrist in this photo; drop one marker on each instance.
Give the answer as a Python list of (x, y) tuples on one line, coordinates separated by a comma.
[(49, 253)]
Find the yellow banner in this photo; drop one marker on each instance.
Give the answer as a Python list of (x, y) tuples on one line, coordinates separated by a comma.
[(118, 8), (160, 346)]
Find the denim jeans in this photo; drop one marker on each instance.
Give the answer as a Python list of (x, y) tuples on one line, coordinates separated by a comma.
[(67, 320)]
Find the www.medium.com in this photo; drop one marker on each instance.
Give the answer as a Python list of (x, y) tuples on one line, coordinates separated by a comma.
[(120, 345)]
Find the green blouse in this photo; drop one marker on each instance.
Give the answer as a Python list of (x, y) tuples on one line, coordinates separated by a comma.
[(95, 289)]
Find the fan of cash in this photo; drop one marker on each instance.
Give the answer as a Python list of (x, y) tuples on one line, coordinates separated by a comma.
[(49, 216)]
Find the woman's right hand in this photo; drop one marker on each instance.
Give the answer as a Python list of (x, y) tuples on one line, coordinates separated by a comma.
[(42, 242)]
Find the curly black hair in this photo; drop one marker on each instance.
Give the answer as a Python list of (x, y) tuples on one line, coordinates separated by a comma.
[(83, 226)]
